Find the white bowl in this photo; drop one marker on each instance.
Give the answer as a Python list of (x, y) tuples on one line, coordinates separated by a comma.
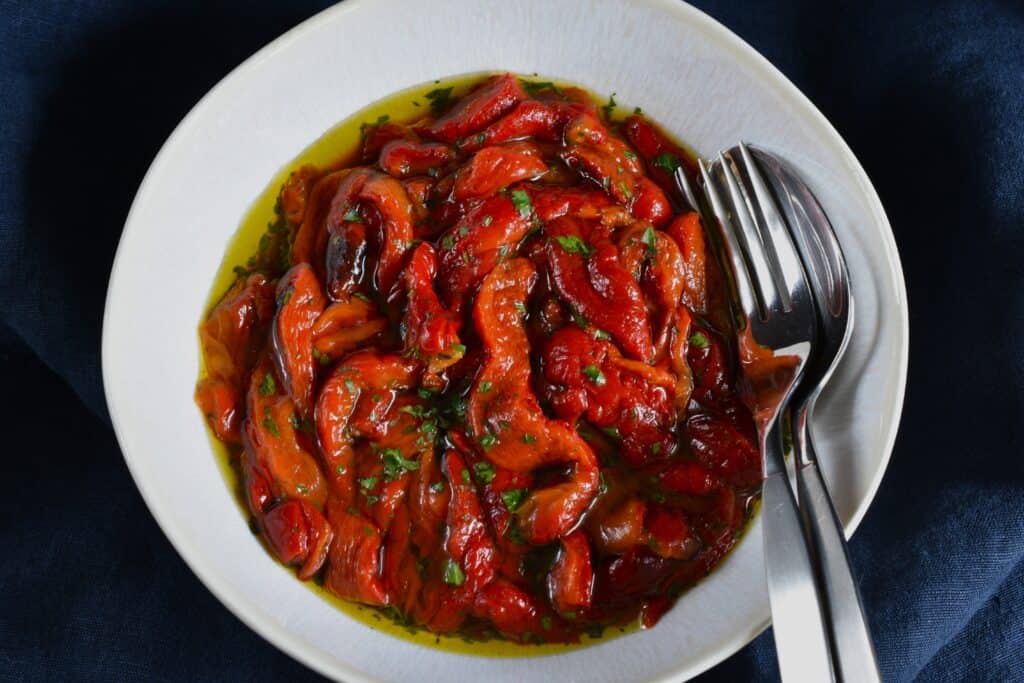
[(687, 72)]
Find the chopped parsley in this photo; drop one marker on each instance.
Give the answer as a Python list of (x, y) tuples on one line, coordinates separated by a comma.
[(395, 465), (465, 476), (487, 220), (532, 88), (574, 245), (439, 99), (612, 431), (595, 375), (352, 216), (484, 386), (484, 472), (267, 386), (699, 340), (271, 426), (453, 574), (522, 202), (513, 498), (601, 335), (667, 162), (437, 487), (610, 107), (650, 239), (487, 441), (447, 242), (529, 438), (626, 192)]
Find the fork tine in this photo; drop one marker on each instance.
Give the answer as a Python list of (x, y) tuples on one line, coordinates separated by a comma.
[(752, 241), (684, 185), (786, 256), (729, 244)]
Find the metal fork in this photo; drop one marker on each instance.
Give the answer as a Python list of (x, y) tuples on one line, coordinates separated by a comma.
[(778, 324)]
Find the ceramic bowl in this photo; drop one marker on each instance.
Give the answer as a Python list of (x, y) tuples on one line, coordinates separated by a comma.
[(688, 72)]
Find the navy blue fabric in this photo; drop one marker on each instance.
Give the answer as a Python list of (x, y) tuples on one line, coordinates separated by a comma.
[(930, 96)]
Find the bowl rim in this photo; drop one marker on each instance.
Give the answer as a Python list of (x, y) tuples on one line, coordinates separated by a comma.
[(295, 646)]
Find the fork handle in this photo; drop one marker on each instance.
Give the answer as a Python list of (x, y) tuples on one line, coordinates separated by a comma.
[(801, 639), (855, 654)]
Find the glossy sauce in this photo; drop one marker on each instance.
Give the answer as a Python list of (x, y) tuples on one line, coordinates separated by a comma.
[(340, 148)]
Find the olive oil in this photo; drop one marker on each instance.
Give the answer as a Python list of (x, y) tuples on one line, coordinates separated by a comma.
[(337, 148)]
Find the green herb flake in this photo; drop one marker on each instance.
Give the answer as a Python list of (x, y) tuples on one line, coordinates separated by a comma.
[(629, 155), (271, 426), (447, 242), (545, 622), (439, 99), (395, 465), (650, 239), (267, 386), (610, 107), (458, 348), (484, 472), (352, 216), (601, 335), (465, 476), (522, 202), (487, 441), (595, 375), (532, 88), (513, 498), (453, 574), (341, 469), (626, 192), (667, 162), (437, 487), (699, 340), (612, 431), (487, 220), (367, 483), (484, 386), (602, 485), (573, 245)]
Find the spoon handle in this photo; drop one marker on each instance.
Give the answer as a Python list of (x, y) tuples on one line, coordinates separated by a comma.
[(854, 653)]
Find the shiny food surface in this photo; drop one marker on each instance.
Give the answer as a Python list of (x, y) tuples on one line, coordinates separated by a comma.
[(477, 372)]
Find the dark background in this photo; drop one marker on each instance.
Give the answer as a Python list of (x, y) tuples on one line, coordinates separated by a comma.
[(930, 96)]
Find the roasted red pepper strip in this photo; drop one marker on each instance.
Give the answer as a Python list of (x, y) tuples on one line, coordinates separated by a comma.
[(472, 558), (431, 332), (494, 168), (272, 438), (346, 409), (506, 420), (488, 232), (229, 338), (300, 301), (404, 158), (598, 287), (353, 561), (485, 104), (689, 237), (571, 580)]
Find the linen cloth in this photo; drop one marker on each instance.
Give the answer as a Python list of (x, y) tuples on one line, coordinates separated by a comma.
[(929, 95)]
